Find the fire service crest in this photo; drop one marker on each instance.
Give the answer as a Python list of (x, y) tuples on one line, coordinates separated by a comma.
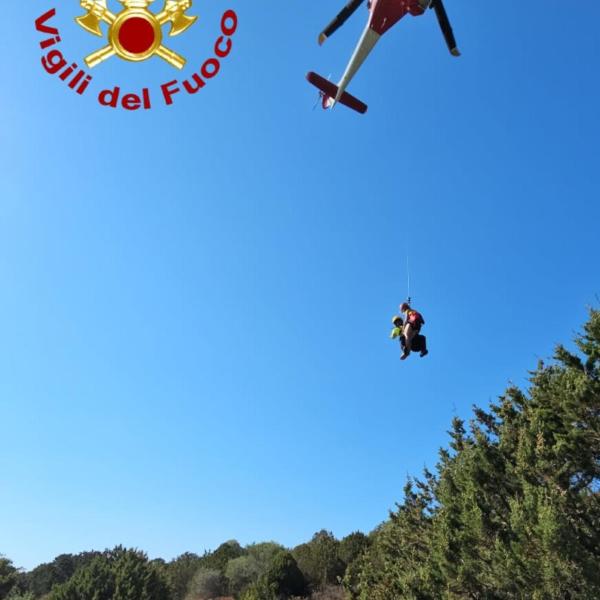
[(134, 34)]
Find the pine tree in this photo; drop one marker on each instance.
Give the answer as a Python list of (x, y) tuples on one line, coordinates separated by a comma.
[(117, 574), (514, 508)]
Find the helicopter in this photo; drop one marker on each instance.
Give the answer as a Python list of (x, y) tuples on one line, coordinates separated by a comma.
[(383, 15)]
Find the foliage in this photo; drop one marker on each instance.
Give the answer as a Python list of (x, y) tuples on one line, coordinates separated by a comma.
[(180, 572), (319, 560), (207, 583), (330, 592), (284, 577), (222, 555), (264, 552), (513, 510), (118, 574), (16, 595), (352, 546), (44, 577), (247, 569), (8, 577), (282, 580), (241, 573), (252, 592)]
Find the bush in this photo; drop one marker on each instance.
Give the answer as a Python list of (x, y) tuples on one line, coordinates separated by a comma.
[(207, 583)]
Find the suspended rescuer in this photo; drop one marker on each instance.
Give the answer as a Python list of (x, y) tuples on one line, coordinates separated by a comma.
[(419, 342), (413, 321)]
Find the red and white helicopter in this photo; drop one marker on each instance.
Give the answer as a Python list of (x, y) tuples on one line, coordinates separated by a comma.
[(383, 14)]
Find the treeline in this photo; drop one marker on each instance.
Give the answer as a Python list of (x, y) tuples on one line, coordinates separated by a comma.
[(511, 511), (266, 570)]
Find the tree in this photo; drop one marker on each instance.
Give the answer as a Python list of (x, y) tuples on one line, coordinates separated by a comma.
[(352, 546), (207, 583), (282, 580), (45, 576), (247, 569), (222, 555), (241, 573), (180, 573), (117, 574), (210, 576), (319, 560), (8, 577), (513, 510)]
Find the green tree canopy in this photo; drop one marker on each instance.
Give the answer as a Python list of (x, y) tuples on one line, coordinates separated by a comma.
[(180, 572), (282, 580), (247, 569), (513, 510), (352, 546), (222, 555), (8, 577), (118, 574), (319, 559), (207, 583), (44, 577)]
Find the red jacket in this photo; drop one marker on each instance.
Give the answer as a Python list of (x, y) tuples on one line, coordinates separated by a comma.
[(414, 317)]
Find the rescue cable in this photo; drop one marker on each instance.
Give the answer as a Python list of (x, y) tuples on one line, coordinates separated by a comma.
[(407, 280)]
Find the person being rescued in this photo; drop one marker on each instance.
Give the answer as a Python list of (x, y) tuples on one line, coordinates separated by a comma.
[(418, 344), (409, 331)]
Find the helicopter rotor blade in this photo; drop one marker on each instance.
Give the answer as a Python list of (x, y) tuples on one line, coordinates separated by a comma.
[(445, 26), (340, 19)]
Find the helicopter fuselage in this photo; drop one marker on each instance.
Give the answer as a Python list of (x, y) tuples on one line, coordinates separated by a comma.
[(386, 13)]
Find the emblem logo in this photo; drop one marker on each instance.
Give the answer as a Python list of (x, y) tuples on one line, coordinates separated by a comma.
[(135, 34)]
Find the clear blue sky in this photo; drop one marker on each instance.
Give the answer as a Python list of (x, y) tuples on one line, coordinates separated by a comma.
[(195, 301)]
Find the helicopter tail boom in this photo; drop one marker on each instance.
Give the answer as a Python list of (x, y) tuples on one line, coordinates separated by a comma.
[(364, 47)]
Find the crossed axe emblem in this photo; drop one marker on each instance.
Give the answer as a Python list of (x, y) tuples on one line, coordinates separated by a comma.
[(135, 34)]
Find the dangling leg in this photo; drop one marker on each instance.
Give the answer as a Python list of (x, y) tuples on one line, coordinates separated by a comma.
[(409, 333), (402, 345), (424, 351)]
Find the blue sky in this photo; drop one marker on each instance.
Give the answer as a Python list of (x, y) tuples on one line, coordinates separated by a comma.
[(196, 300)]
